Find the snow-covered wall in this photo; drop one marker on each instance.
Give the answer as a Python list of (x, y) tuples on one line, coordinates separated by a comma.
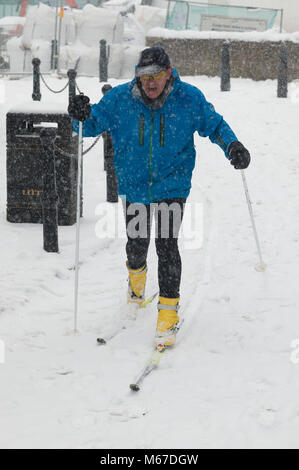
[(253, 55)]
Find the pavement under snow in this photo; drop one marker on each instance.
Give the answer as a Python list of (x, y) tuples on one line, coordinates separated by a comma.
[(232, 380)]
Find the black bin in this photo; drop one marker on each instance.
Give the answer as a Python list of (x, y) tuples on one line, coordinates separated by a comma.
[(25, 166)]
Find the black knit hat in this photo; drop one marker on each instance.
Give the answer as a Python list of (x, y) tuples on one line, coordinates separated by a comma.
[(152, 60)]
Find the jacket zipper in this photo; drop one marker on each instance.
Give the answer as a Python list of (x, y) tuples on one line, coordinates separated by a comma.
[(141, 129), (162, 130), (221, 142), (150, 155)]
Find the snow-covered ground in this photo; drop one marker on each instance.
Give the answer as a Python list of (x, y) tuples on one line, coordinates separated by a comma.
[(233, 379)]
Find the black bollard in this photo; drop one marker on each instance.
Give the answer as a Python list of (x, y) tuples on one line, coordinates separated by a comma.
[(72, 74), (54, 54), (36, 95), (225, 67), (111, 178), (282, 85), (108, 147), (49, 197), (103, 61), (106, 88)]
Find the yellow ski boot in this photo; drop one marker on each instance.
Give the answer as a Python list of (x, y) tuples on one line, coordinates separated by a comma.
[(136, 284), (167, 321)]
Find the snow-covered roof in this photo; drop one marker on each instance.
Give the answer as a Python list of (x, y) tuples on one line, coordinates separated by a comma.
[(39, 107)]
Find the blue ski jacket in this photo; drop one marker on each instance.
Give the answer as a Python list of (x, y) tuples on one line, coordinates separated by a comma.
[(154, 153)]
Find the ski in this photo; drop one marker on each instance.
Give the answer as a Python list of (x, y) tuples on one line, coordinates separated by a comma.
[(123, 326), (153, 362)]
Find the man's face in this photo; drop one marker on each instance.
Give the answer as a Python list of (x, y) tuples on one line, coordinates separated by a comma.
[(153, 85)]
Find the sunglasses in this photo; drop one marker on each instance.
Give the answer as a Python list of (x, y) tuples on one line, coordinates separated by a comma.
[(154, 76)]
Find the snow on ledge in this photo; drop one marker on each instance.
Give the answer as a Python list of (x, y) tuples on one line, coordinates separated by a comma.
[(12, 20), (39, 107), (253, 36)]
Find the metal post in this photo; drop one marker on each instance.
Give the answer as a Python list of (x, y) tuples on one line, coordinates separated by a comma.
[(36, 95), (187, 16), (281, 19), (225, 67), (282, 83), (103, 61), (49, 197), (167, 14), (111, 178), (56, 21), (54, 54), (55, 42), (59, 37)]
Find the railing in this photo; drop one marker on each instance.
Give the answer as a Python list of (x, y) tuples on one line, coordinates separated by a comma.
[(210, 8)]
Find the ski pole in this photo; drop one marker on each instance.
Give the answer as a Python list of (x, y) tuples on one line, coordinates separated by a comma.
[(261, 266), (78, 227)]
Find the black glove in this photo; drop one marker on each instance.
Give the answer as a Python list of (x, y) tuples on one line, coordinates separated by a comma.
[(238, 155), (79, 107)]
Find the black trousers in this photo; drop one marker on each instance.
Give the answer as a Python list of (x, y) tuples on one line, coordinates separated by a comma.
[(168, 216)]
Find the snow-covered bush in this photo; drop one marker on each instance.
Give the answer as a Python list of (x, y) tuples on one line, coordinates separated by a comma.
[(80, 35)]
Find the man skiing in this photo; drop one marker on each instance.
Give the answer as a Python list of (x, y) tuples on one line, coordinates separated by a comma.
[(152, 120)]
